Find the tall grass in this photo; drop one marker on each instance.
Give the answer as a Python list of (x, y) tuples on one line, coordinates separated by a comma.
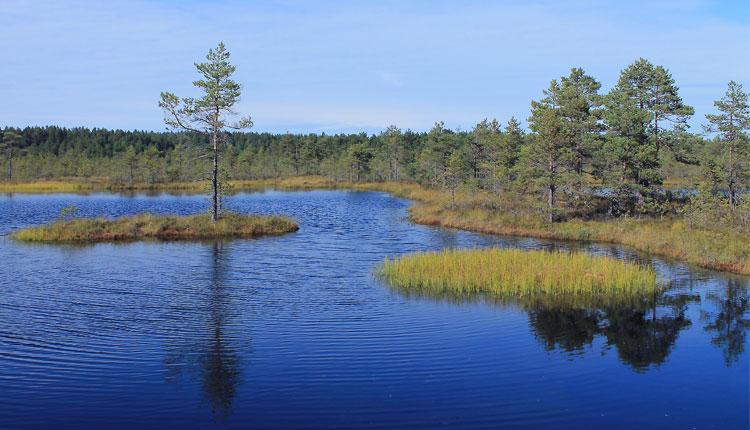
[(161, 227), (513, 272), (722, 249)]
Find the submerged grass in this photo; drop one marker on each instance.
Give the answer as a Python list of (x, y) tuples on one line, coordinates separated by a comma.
[(517, 273), (154, 226)]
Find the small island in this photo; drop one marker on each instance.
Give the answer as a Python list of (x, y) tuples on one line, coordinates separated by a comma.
[(143, 226), (515, 272)]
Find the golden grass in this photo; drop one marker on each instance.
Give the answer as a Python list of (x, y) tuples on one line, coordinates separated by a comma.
[(723, 250), (95, 185), (160, 227), (517, 273), (43, 187)]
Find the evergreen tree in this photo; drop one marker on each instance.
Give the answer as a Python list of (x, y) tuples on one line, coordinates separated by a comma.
[(359, 156), (579, 109), (629, 161), (731, 124), (11, 141), (207, 115), (453, 173), (394, 150), (545, 159)]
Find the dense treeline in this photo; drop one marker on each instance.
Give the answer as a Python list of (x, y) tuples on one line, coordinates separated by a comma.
[(587, 153)]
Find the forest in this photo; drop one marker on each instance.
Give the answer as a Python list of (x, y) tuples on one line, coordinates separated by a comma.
[(586, 154)]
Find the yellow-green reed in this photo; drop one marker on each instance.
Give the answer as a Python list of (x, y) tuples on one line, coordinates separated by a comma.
[(513, 272)]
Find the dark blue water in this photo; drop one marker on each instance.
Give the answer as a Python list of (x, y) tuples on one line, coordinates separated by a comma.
[(293, 332)]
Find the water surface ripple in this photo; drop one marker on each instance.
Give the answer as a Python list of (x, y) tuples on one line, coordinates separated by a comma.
[(293, 332)]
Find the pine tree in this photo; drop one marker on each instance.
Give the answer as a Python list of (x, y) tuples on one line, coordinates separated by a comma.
[(638, 111), (207, 115), (547, 155), (10, 142), (579, 109), (731, 125), (453, 173)]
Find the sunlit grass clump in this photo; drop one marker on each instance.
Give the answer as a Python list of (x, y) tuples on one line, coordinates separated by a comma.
[(513, 272), (157, 226)]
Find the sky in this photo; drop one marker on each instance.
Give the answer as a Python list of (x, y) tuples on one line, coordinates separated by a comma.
[(352, 66)]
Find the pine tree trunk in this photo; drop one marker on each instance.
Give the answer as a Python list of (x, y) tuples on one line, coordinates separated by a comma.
[(551, 191), (10, 166), (215, 211), (732, 201), (731, 165)]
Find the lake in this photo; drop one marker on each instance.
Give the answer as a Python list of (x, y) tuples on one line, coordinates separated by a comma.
[(293, 331)]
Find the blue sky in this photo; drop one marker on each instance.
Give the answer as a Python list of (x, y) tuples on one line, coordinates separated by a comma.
[(350, 66)]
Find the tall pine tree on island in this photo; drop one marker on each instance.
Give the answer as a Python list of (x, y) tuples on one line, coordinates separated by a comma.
[(207, 115)]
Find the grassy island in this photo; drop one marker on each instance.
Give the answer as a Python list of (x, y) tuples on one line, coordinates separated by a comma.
[(513, 272), (157, 226)]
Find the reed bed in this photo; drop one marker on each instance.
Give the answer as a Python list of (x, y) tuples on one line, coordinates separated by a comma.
[(159, 227), (517, 273)]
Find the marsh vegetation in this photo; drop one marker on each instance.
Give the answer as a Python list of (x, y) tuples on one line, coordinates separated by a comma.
[(513, 272), (160, 227)]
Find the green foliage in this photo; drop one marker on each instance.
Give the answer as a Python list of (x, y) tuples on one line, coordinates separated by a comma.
[(452, 175), (10, 143), (545, 159), (358, 157), (208, 114), (709, 211), (728, 161), (643, 114)]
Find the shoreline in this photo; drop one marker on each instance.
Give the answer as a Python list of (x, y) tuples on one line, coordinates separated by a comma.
[(718, 250)]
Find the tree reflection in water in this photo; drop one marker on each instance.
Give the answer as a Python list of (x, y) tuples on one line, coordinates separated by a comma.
[(643, 330), (645, 337), (220, 368), (569, 330), (203, 345), (731, 320)]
